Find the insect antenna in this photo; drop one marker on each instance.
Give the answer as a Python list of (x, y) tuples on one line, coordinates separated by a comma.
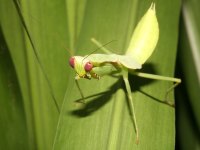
[(98, 48), (69, 51)]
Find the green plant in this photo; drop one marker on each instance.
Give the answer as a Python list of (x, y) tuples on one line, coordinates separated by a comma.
[(106, 122)]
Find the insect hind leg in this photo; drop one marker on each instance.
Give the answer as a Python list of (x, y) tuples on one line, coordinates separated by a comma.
[(166, 100), (176, 82)]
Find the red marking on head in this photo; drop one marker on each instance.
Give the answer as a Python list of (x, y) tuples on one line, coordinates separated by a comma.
[(88, 66), (71, 62)]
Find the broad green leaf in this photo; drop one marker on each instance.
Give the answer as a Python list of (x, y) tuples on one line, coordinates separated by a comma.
[(105, 122)]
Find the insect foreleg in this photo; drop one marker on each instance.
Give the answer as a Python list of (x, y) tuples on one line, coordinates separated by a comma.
[(97, 72), (107, 69), (82, 96)]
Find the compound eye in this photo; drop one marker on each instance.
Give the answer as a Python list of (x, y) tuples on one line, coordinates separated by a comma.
[(88, 66), (71, 62)]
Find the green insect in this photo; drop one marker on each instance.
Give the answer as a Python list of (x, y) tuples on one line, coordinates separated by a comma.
[(142, 45)]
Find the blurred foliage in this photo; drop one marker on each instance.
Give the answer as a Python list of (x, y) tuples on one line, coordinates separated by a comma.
[(188, 103), (12, 116)]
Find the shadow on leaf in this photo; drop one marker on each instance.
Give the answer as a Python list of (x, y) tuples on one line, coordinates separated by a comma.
[(96, 103), (102, 98)]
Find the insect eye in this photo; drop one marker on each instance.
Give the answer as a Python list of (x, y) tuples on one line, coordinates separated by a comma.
[(71, 62), (88, 66)]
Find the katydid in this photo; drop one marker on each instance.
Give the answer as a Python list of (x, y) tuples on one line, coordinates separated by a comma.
[(142, 45)]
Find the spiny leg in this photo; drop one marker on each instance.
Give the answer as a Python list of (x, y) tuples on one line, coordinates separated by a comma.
[(128, 88), (176, 81)]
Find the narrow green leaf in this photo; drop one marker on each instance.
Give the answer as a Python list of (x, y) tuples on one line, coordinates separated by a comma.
[(40, 109)]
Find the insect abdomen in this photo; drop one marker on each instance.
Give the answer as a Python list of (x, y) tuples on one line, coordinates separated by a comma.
[(145, 37)]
